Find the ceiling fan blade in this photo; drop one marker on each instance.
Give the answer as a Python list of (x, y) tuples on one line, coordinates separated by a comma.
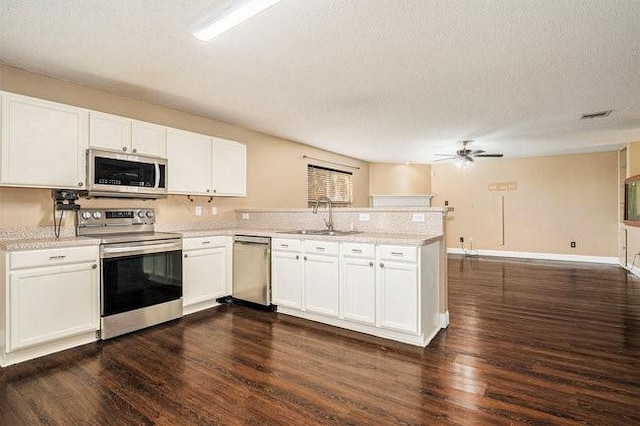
[(476, 152), (490, 155), (443, 159), (446, 155)]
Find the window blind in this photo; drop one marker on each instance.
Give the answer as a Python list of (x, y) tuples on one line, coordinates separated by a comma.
[(337, 185)]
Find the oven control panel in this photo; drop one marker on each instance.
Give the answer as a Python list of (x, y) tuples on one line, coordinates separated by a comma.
[(114, 217)]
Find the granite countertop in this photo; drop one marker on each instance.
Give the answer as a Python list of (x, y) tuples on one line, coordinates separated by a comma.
[(365, 237), (9, 244), (46, 243)]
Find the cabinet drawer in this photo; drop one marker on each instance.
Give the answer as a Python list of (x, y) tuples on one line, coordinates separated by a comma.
[(322, 247), (284, 244), (204, 242), (409, 254), (358, 250), (53, 257)]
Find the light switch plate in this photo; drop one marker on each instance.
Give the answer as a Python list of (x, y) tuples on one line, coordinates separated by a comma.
[(363, 217), (245, 216), (198, 210), (418, 217), (214, 210)]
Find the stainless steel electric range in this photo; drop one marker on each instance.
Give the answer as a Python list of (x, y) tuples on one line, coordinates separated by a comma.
[(141, 275)]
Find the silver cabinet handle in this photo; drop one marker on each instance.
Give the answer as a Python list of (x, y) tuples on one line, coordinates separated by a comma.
[(57, 257), (208, 190), (215, 190), (395, 253), (186, 255), (305, 258), (381, 265), (135, 150), (284, 245), (206, 242), (94, 266), (370, 263), (297, 257), (356, 251), (80, 184), (321, 248), (124, 148)]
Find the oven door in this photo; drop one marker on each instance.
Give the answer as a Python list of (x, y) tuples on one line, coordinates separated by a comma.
[(112, 173), (141, 274)]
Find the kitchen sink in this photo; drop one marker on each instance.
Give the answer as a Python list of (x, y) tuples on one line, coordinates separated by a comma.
[(320, 232)]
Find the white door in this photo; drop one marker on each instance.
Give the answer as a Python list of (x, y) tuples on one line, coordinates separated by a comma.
[(286, 274), (359, 290), (229, 169), (148, 139), (398, 296), (321, 284), (204, 275), (43, 143), (189, 156), (52, 303), (108, 131)]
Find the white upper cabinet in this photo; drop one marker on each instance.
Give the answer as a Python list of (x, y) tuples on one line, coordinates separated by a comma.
[(109, 131), (202, 165), (148, 139), (189, 156), (43, 143), (229, 172)]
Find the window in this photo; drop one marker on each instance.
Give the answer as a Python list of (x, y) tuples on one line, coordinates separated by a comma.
[(337, 185)]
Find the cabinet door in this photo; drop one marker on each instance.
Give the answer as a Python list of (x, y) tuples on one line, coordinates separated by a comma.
[(398, 296), (189, 156), (43, 143), (286, 275), (358, 290), (204, 275), (148, 139), (109, 131), (229, 169), (52, 303), (321, 284)]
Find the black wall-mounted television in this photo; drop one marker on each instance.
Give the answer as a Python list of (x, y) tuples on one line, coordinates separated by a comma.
[(632, 201)]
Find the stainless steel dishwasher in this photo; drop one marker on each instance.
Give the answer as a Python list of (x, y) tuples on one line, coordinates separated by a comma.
[(252, 269)]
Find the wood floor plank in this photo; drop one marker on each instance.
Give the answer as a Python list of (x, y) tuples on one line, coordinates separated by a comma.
[(530, 342)]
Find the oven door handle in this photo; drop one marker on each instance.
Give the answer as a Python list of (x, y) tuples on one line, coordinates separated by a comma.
[(132, 250), (157, 182)]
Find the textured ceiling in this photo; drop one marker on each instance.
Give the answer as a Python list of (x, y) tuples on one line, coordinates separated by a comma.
[(380, 80)]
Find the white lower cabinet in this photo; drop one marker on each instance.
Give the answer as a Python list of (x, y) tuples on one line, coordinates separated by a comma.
[(358, 283), (51, 301), (205, 271), (321, 278), (286, 273), (383, 290)]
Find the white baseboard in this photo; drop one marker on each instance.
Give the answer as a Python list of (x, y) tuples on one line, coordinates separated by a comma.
[(633, 269), (444, 319), (541, 256)]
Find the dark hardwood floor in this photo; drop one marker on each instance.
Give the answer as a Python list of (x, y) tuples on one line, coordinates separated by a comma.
[(529, 343)]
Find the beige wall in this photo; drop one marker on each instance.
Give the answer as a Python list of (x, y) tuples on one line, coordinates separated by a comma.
[(276, 170), (399, 179), (558, 199)]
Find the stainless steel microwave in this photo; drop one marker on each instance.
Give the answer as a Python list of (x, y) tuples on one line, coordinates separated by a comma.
[(115, 174)]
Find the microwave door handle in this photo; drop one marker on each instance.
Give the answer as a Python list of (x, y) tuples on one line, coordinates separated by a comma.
[(157, 183)]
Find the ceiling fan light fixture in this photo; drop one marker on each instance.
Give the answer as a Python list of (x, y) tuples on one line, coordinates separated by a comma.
[(231, 16), (462, 162)]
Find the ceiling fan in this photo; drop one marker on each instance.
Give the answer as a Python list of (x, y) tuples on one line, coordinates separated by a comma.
[(464, 157)]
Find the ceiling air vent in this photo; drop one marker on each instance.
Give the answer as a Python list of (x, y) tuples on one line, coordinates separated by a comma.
[(600, 114)]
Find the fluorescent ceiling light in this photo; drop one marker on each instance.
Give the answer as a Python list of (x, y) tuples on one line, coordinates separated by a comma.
[(232, 16)]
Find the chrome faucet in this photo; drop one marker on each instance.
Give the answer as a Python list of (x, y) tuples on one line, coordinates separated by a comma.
[(326, 200)]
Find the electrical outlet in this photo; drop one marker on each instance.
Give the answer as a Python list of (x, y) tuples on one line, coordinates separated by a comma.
[(214, 210), (462, 239), (198, 210), (446, 203), (573, 244), (418, 217), (363, 217), (245, 216)]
